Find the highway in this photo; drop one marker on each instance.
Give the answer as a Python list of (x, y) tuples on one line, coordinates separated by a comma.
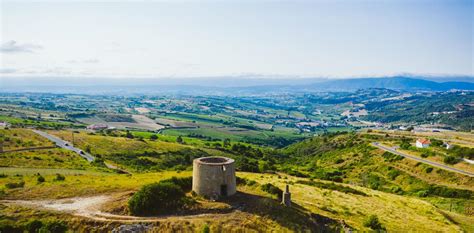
[(435, 164), (65, 144)]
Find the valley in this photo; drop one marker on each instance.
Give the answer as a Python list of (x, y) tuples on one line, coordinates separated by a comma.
[(57, 168)]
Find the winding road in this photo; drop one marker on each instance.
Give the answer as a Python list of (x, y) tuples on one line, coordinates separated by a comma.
[(435, 164), (68, 146), (65, 144)]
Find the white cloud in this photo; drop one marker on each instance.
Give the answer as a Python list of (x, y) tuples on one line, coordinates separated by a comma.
[(85, 61), (14, 47)]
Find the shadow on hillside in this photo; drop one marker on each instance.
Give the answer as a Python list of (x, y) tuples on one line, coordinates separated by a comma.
[(296, 217)]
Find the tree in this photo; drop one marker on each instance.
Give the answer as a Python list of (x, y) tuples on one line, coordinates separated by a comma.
[(153, 137), (226, 142), (179, 139)]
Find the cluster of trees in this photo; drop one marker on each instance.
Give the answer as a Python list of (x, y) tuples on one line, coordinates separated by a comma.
[(175, 160)]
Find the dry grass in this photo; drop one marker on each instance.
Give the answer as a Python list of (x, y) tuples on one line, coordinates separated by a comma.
[(397, 213)]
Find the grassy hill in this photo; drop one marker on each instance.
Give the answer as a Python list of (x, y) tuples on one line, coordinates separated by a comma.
[(349, 158), (335, 177)]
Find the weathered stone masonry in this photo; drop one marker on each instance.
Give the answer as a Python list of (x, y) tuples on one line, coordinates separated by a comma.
[(214, 177)]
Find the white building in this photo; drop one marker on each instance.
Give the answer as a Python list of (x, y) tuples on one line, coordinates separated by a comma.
[(3, 124), (96, 127), (423, 143), (448, 145)]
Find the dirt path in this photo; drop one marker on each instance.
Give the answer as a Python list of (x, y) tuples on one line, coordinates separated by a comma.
[(90, 207)]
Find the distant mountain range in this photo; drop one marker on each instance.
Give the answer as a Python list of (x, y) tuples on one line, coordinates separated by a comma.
[(394, 83), (229, 85)]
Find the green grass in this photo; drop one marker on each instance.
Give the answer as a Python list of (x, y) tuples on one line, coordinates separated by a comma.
[(38, 123), (397, 213)]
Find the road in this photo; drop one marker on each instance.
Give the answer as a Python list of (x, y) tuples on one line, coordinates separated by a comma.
[(65, 144), (435, 164)]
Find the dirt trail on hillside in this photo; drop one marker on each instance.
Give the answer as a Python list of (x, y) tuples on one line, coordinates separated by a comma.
[(90, 207)]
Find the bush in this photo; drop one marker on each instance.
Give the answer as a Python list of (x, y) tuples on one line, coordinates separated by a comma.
[(54, 227), (33, 226), (272, 189), (450, 160), (436, 142), (393, 174), (244, 181), (13, 185), (429, 170), (156, 198), (396, 189), (206, 229), (40, 179), (59, 177), (185, 183), (390, 157), (372, 222), (6, 227)]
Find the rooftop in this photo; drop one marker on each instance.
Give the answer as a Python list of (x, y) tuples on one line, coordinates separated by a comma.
[(214, 160)]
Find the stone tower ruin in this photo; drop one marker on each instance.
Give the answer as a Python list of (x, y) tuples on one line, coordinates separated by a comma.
[(214, 177)]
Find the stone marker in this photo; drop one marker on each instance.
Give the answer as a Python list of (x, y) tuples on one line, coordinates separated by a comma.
[(286, 200)]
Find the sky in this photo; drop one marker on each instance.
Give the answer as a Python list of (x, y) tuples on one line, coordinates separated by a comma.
[(235, 38)]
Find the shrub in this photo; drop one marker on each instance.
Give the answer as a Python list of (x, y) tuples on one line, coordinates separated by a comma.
[(390, 157), (422, 193), (429, 170), (33, 226), (206, 229), (405, 145), (156, 198), (372, 222), (6, 227), (59, 177), (13, 185), (54, 227), (396, 189), (272, 189), (3, 175), (436, 142), (244, 181), (185, 183), (40, 179), (393, 174), (450, 159)]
